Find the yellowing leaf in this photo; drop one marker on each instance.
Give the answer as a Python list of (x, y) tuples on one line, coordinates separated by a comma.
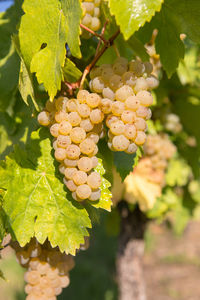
[(35, 200), (132, 14), (141, 190)]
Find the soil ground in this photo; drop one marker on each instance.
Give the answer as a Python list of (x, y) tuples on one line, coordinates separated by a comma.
[(172, 267)]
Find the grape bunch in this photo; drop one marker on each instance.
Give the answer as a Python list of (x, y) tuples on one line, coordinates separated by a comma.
[(124, 87), (144, 185), (47, 269), (76, 125), (91, 14), (158, 150), (173, 123)]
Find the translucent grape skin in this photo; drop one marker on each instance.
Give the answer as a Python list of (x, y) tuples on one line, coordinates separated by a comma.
[(79, 177), (94, 180), (47, 273), (125, 87), (83, 191), (85, 164), (120, 143), (77, 131), (44, 118)]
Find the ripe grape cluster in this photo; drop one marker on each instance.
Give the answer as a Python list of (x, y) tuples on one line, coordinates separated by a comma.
[(173, 123), (91, 14), (124, 87), (76, 125), (158, 150), (47, 269)]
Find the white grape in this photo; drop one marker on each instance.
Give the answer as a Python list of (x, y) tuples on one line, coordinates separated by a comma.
[(83, 191), (94, 180), (120, 143), (87, 146), (44, 118), (73, 152), (85, 164), (79, 177), (70, 172), (77, 135)]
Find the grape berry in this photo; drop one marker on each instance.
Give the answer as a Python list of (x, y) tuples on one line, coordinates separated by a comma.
[(76, 125), (47, 269), (124, 87)]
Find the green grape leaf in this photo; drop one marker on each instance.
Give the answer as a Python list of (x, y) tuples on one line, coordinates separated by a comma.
[(169, 38), (9, 61), (25, 86), (131, 14), (138, 48), (194, 189), (178, 172), (181, 218), (73, 13), (7, 128), (188, 70), (125, 163), (174, 18), (35, 201), (159, 209), (107, 157), (105, 201), (70, 71), (187, 108), (168, 200), (107, 17), (42, 46), (2, 218), (16, 130), (9, 70)]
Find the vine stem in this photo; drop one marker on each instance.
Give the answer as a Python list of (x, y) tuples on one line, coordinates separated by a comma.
[(97, 57), (100, 36), (116, 50)]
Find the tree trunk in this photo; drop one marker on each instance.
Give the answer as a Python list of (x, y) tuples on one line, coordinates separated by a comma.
[(130, 254)]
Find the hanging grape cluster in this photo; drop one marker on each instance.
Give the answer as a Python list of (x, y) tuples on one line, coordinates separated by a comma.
[(91, 15), (76, 125), (158, 150), (173, 123), (125, 87), (144, 185), (47, 269)]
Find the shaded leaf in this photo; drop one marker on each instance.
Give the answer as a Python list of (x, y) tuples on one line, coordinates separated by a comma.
[(9, 61), (124, 163), (175, 17), (70, 71), (138, 47), (26, 87)]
